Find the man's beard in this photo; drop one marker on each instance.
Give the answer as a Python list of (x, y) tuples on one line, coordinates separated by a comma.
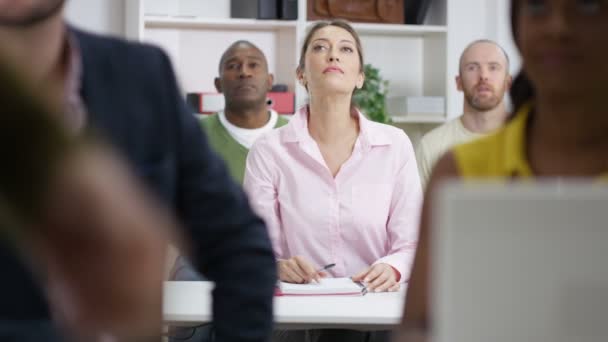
[(483, 104), (34, 16)]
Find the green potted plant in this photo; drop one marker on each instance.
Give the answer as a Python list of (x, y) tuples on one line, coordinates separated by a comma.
[(371, 98)]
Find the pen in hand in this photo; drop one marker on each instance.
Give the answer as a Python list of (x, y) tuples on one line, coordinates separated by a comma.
[(320, 272), (326, 267)]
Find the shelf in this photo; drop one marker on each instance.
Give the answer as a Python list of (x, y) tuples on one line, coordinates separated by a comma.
[(419, 119), (166, 21), (397, 29), (161, 21)]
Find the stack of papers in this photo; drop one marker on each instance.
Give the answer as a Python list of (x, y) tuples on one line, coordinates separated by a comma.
[(326, 287)]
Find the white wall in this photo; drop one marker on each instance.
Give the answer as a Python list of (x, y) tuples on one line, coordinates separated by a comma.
[(469, 20), (102, 16), (504, 37)]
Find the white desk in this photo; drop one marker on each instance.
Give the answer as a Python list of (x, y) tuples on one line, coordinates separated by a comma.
[(189, 303)]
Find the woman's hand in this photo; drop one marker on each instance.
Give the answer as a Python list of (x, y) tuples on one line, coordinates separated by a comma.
[(298, 270), (379, 278)]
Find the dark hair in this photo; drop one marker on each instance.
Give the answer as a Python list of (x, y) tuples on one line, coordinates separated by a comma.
[(338, 23), (233, 46), (522, 90)]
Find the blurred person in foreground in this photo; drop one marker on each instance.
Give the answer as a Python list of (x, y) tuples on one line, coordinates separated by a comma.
[(126, 93), (558, 129), (54, 185)]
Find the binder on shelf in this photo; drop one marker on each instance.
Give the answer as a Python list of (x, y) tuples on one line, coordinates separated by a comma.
[(209, 103), (254, 9), (267, 9), (415, 11), (288, 9), (282, 102)]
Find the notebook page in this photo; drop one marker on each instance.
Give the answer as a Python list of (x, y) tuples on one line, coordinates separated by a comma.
[(327, 286)]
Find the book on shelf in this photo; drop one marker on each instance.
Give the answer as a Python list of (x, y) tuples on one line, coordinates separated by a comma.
[(325, 287)]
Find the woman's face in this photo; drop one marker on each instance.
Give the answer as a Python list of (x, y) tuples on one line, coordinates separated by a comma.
[(564, 44), (331, 63)]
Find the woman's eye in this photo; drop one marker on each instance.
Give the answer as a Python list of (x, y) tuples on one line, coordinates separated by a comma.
[(347, 49), (535, 7), (318, 47), (589, 6)]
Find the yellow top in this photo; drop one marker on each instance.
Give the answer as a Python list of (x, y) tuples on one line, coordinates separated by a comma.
[(498, 155)]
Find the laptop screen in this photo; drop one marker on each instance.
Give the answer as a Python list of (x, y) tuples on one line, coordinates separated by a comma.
[(520, 262)]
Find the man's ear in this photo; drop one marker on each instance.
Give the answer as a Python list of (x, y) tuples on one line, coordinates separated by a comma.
[(270, 81), (458, 80), (218, 84), (509, 81)]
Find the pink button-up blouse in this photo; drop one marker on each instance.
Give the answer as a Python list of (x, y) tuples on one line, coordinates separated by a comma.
[(367, 214)]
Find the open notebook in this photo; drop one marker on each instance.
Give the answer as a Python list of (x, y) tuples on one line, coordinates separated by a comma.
[(326, 287)]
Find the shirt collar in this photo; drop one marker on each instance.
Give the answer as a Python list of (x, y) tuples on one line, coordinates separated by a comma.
[(297, 130)]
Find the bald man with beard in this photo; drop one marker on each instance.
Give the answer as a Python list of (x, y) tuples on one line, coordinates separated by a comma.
[(483, 79)]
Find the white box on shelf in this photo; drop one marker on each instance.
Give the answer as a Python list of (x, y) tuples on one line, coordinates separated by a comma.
[(405, 105), (206, 103)]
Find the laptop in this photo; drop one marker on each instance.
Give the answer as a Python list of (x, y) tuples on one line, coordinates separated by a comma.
[(520, 262)]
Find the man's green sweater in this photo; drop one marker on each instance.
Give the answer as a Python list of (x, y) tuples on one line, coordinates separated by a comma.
[(233, 153)]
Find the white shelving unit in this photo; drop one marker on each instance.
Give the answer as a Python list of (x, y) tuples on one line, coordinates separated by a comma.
[(183, 22), (415, 59)]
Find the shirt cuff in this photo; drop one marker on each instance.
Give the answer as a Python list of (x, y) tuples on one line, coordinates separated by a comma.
[(397, 274), (401, 264)]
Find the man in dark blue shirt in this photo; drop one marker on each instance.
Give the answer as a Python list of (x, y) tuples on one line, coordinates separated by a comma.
[(126, 94)]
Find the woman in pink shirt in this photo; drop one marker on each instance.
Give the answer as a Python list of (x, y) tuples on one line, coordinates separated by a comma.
[(333, 186)]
